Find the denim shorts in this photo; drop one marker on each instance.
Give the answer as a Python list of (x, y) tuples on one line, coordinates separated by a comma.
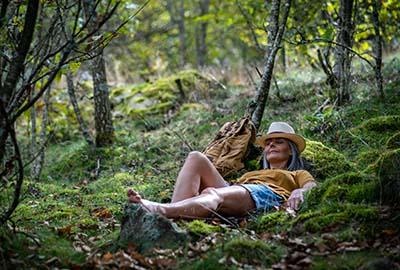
[(264, 198)]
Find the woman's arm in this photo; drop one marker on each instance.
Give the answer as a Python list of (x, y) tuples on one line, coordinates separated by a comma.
[(296, 197)]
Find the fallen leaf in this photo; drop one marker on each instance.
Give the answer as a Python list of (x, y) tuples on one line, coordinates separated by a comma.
[(64, 230), (101, 212), (107, 256)]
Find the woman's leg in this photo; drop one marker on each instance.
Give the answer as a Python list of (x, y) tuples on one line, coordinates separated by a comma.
[(231, 200), (197, 174)]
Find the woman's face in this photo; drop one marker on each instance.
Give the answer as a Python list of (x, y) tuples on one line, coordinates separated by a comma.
[(277, 150)]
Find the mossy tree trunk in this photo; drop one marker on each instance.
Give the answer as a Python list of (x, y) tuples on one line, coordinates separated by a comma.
[(102, 105), (275, 34)]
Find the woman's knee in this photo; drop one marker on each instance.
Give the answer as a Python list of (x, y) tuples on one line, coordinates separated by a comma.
[(214, 193), (196, 156)]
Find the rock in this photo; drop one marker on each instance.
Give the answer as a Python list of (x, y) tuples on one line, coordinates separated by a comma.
[(388, 170), (394, 141), (325, 161), (148, 230)]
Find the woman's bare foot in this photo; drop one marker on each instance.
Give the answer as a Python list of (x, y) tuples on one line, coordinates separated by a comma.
[(153, 207), (133, 196)]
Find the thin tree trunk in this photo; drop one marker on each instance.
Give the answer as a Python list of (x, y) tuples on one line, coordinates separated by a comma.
[(342, 68), (39, 161), (377, 46), (74, 103), (283, 58), (33, 147), (177, 15), (201, 35), (272, 49), (16, 67), (273, 26), (182, 33), (102, 106)]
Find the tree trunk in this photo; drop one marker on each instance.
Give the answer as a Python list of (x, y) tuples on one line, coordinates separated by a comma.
[(201, 35), (177, 15), (276, 32), (182, 33), (39, 160), (342, 68), (33, 133), (377, 46), (16, 67), (74, 103), (283, 58), (102, 106)]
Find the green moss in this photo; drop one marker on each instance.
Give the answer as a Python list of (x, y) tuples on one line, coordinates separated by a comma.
[(336, 215), (347, 260), (389, 175), (199, 227), (354, 187), (325, 161), (394, 141), (163, 94), (252, 251), (382, 123), (367, 158), (208, 261), (275, 221), (72, 162)]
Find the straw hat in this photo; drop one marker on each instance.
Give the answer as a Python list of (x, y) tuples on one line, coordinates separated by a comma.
[(282, 130)]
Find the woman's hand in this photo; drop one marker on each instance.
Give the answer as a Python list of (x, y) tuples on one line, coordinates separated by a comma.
[(297, 197)]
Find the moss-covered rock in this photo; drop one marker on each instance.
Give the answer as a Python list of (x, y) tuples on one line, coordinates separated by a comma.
[(382, 123), (164, 94), (388, 170), (147, 230), (367, 158), (335, 215), (353, 187), (325, 161), (394, 141)]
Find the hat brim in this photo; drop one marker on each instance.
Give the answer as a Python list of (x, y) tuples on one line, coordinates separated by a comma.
[(297, 139)]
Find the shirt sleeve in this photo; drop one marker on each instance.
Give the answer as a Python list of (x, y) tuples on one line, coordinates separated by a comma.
[(302, 177)]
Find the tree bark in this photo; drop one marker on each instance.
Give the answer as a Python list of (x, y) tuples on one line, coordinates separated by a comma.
[(16, 67), (342, 67), (182, 33), (177, 15), (377, 46), (277, 30), (74, 103), (201, 35), (39, 160), (102, 106)]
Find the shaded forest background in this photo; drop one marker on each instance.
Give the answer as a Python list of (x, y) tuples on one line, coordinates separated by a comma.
[(98, 96)]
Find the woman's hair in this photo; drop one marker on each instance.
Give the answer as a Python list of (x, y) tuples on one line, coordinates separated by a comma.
[(294, 163)]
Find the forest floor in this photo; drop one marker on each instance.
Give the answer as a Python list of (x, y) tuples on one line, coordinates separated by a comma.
[(71, 218)]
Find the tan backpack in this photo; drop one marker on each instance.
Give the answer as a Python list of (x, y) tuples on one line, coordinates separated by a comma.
[(230, 146)]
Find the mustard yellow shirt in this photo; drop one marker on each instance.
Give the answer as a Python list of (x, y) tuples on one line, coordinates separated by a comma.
[(280, 181)]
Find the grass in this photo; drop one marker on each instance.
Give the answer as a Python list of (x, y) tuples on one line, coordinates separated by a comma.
[(76, 206)]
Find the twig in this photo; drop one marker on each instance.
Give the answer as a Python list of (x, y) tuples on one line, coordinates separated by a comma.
[(97, 171), (304, 41), (322, 106)]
